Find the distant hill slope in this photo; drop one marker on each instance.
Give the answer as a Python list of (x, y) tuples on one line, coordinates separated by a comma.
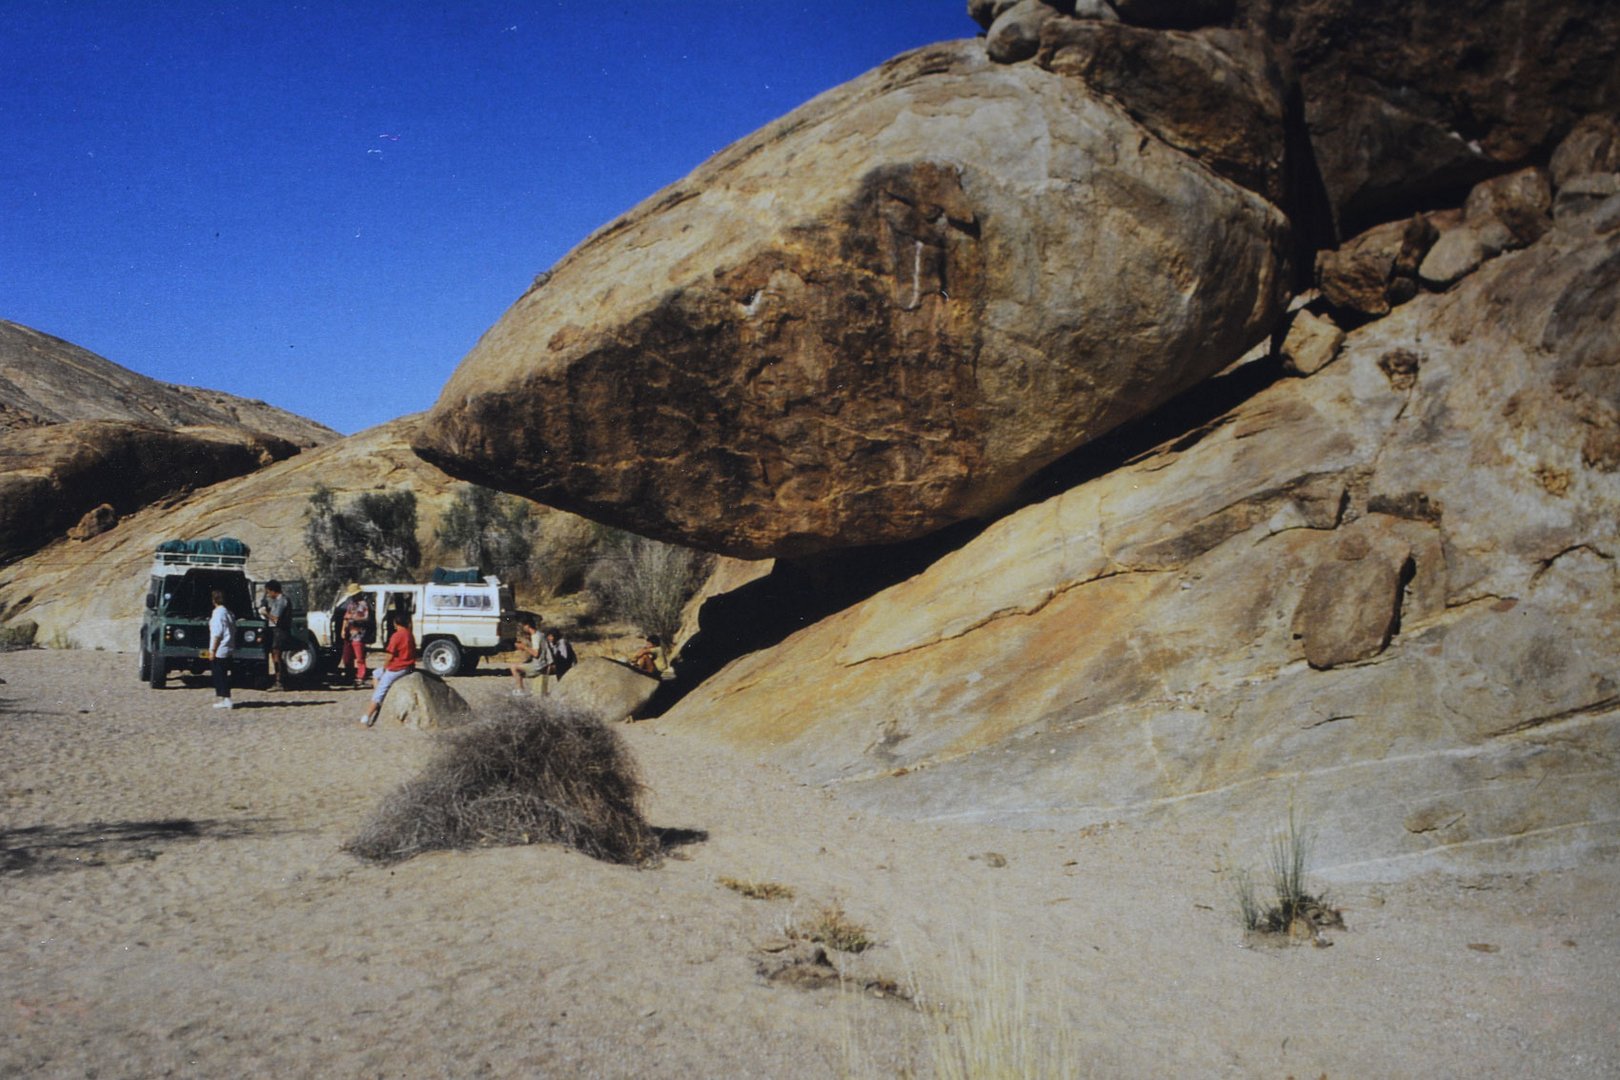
[(45, 380), (89, 592)]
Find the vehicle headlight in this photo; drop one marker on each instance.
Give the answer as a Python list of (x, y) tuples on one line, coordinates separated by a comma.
[(179, 633), (249, 636)]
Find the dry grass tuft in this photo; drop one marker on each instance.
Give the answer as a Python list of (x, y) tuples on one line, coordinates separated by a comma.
[(836, 930), (524, 773), (758, 890), (1000, 1026), (1296, 914)]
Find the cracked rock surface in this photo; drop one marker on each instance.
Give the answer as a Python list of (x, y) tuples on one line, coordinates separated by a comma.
[(879, 315), (1388, 592)]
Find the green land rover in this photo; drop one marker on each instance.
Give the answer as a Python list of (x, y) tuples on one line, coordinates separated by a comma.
[(174, 627)]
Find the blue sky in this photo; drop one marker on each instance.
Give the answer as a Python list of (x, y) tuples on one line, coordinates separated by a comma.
[(324, 205)]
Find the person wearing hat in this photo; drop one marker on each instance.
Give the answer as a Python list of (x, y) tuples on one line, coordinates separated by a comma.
[(355, 632)]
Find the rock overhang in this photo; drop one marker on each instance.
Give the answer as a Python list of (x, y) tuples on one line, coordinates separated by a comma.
[(874, 318)]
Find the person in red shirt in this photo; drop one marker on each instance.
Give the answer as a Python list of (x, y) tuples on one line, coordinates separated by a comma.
[(401, 660)]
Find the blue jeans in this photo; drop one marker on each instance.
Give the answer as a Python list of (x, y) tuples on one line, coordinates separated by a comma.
[(222, 676), (385, 680)]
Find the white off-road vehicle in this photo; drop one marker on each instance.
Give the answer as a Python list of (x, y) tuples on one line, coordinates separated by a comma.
[(457, 618)]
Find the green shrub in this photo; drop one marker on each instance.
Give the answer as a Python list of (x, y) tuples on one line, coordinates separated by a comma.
[(1295, 912), (836, 930), (646, 582), (758, 890), (373, 538), (490, 530), (18, 635)]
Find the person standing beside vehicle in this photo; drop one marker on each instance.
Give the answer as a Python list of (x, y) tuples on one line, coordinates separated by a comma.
[(277, 612), (356, 628), (401, 662), (221, 643)]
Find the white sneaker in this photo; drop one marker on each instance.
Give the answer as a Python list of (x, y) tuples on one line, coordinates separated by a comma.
[(367, 721), (520, 693), (224, 703)]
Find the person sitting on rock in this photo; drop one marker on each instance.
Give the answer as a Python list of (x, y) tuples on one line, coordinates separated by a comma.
[(401, 661), (562, 653), (650, 660), (540, 662)]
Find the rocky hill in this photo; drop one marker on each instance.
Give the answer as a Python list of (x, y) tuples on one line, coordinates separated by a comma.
[(45, 380), (985, 289), (84, 441), (88, 592)]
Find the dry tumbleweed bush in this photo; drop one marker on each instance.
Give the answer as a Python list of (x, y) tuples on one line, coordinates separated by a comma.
[(524, 773)]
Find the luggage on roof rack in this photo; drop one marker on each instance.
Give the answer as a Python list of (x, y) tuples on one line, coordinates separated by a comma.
[(216, 551), (220, 545), (456, 575)]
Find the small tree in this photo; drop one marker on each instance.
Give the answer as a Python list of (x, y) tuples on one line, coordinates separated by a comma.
[(373, 537), (646, 582), (491, 531)]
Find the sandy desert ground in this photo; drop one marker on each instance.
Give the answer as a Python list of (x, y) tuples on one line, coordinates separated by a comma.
[(176, 903)]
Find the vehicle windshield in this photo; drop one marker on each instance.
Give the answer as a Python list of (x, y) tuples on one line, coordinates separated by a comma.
[(187, 596)]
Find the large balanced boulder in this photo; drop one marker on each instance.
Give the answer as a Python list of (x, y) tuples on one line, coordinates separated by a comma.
[(875, 317), (1386, 594)]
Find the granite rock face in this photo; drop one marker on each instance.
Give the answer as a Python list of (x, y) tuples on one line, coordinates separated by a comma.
[(1386, 593), (51, 476), (875, 317), (78, 431), (1400, 104), (1411, 101), (1217, 94), (45, 380)]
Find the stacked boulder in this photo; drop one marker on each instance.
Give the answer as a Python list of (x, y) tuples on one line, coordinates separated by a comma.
[(1374, 571), (884, 313)]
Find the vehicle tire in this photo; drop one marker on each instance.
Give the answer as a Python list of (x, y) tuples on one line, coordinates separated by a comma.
[(146, 663), (300, 660), (157, 672), (442, 657)]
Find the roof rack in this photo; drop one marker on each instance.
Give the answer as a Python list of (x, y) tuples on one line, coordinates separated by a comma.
[(185, 559)]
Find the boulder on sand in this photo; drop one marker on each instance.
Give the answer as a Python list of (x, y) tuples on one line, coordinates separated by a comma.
[(874, 318), (606, 688), (423, 701)]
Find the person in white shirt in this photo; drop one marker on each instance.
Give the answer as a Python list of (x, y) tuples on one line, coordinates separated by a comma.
[(221, 643)]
